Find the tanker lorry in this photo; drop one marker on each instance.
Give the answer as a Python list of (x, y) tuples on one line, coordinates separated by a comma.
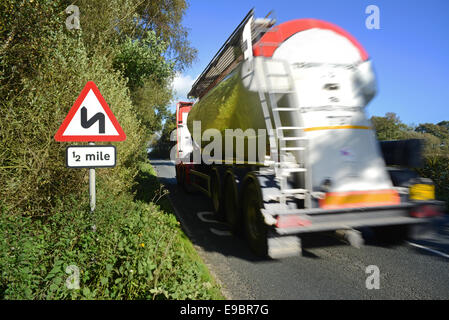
[(295, 94)]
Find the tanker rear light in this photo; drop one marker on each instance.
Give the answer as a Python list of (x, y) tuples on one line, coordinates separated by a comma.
[(290, 221), (425, 211)]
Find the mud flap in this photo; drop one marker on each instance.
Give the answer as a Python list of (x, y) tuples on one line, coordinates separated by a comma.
[(350, 236), (282, 247)]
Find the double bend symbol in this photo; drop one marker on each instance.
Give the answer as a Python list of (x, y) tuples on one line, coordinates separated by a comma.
[(88, 123)]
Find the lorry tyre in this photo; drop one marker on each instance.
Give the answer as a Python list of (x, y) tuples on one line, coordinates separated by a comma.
[(230, 204), (255, 227), (391, 235)]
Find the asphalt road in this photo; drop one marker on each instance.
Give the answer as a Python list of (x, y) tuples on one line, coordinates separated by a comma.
[(327, 268)]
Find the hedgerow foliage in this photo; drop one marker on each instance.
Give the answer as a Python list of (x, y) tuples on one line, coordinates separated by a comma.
[(33, 174), (135, 253), (165, 142), (436, 147), (137, 250), (44, 67)]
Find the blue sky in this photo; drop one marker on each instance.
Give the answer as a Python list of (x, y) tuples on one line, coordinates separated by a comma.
[(410, 52)]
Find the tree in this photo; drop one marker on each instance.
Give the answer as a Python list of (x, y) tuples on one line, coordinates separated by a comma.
[(146, 42), (149, 76), (436, 147), (108, 22), (439, 131), (122, 46), (164, 144), (141, 59), (164, 17), (26, 29), (389, 127), (444, 124), (151, 104)]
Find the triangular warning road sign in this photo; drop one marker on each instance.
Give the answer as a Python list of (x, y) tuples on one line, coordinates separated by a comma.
[(90, 119)]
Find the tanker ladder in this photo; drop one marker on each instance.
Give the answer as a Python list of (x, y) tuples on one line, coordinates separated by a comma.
[(283, 161)]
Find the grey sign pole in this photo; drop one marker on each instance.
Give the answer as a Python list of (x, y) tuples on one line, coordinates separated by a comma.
[(92, 185)]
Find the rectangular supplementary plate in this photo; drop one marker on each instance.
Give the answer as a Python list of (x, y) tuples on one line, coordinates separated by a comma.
[(91, 156)]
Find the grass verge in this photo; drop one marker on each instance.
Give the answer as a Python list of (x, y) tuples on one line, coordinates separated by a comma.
[(136, 250)]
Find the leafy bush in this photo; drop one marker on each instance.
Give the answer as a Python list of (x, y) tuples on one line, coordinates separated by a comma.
[(136, 252), (32, 170), (149, 75), (142, 58), (436, 152), (437, 169), (164, 144)]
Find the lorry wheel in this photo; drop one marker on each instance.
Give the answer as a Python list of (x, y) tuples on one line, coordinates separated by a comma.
[(215, 193), (230, 204), (255, 227), (391, 235)]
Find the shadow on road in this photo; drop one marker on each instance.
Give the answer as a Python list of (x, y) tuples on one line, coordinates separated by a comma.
[(160, 162), (203, 233), (212, 235)]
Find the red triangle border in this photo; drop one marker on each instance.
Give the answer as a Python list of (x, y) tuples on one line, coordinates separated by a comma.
[(89, 86)]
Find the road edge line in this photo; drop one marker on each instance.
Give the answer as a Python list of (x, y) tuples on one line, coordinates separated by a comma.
[(439, 253)]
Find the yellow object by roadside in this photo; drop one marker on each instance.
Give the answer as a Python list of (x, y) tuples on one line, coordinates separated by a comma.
[(422, 192)]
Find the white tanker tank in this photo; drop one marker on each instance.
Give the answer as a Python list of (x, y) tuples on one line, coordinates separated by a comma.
[(324, 75)]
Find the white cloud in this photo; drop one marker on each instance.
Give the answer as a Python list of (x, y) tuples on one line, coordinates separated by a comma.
[(182, 85)]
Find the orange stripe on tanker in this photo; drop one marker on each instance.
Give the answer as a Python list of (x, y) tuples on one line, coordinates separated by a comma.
[(334, 200), (337, 127)]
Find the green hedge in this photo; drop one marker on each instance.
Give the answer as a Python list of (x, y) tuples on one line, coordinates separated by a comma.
[(437, 168), (138, 251), (32, 166)]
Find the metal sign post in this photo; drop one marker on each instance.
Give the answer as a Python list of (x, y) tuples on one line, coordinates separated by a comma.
[(92, 185)]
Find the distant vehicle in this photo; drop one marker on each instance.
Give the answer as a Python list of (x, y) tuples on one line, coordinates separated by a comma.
[(306, 83)]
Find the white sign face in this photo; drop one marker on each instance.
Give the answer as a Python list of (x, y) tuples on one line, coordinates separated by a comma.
[(91, 156), (90, 119)]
